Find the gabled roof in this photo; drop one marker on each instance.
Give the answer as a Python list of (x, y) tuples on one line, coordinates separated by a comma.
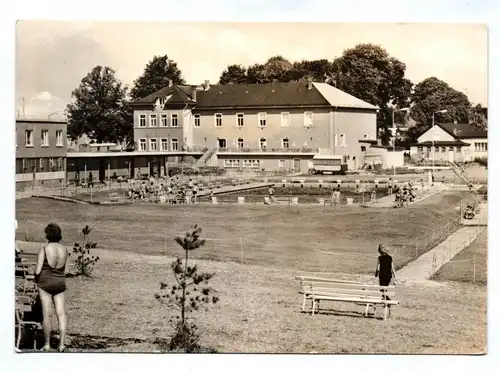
[(180, 94), (462, 131), (339, 98), (440, 143), (259, 95)]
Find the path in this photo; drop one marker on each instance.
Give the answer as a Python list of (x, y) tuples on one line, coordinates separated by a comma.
[(422, 269)]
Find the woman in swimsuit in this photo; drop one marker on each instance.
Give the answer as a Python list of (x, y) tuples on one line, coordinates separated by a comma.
[(50, 274)]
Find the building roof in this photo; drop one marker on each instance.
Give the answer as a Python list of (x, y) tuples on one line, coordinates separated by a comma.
[(462, 130), (338, 98), (40, 121), (259, 95), (440, 143)]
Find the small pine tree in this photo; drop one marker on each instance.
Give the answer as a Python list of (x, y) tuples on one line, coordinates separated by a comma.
[(84, 262), (190, 293)]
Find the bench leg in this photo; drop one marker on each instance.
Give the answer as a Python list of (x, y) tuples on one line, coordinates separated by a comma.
[(19, 334), (313, 307), (304, 303), (385, 311)]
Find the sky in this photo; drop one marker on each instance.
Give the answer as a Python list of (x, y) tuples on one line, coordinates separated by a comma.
[(52, 57)]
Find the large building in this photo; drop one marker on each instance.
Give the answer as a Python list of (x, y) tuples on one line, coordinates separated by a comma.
[(264, 126), (452, 142), (249, 126), (40, 153)]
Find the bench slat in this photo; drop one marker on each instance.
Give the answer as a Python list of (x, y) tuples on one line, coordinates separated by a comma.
[(324, 280), (373, 287), (353, 299), (328, 291)]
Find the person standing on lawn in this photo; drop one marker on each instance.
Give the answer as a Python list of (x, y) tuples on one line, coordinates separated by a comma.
[(385, 268)]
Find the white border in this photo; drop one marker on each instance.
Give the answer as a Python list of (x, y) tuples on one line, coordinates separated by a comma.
[(477, 11)]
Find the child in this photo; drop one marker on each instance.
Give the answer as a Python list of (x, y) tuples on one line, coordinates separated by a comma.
[(385, 268)]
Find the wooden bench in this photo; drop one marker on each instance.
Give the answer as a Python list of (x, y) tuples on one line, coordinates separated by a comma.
[(23, 306), (322, 289)]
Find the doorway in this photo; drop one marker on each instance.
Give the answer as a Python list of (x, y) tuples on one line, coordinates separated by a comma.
[(296, 165), (221, 143)]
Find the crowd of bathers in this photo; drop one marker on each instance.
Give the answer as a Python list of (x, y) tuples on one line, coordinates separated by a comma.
[(167, 189), (403, 195)]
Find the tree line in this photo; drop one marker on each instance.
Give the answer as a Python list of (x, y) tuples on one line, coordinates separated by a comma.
[(100, 105)]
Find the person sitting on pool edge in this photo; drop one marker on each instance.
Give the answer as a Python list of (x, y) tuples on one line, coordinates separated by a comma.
[(50, 275)]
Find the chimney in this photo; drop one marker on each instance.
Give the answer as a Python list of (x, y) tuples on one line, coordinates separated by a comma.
[(309, 83), (170, 83), (206, 85)]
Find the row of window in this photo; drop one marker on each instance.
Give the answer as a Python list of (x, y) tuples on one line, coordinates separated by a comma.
[(163, 143), (29, 165), (245, 163), (218, 120), (437, 149), (481, 147), (29, 142), (154, 144)]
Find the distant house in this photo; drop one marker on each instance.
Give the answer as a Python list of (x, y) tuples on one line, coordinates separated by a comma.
[(40, 152), (452, 142)]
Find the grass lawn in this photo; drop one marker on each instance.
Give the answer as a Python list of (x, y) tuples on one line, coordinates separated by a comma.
[(461, 267), (259, 311), (308, 238)]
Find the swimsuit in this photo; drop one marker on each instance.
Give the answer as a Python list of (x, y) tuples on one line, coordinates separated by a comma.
[(52, 280)]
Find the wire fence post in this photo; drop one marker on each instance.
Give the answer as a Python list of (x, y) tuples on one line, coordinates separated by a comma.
[(241, 248)]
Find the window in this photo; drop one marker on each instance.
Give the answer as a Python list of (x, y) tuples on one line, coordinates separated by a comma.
[(262, 143), (436, 149), (239, 120), (232, 163), (251, 163), (363, 148), (41, 164), (342, 140), (174, 120), (443, 149), (142, 120), (162, 100), (163, 120), (142, 144), (45, 138), (221, 143), (197, 120), (365, 135), (59, 138), (240, 143), (450, 148), (153, 146), (285, 119), (459, 149), (164, 144), (262, 116), (28, 138), (308, 119), (174, 144), (59, 164), (218, 120), (52, 164), (152, 120), (281, 163), (285, 143)]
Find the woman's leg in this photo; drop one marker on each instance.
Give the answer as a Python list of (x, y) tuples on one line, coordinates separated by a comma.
[(60, 304), (46, 300)]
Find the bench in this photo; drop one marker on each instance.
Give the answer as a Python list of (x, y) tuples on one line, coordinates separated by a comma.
[(24, 305), (113, 197), (322, 289)]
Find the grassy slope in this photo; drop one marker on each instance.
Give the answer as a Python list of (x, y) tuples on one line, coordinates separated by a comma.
[(302, 238), (461, 269), (259, 311)]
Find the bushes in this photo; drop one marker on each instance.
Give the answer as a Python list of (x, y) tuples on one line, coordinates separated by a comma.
[(84, 262), (482, 161)]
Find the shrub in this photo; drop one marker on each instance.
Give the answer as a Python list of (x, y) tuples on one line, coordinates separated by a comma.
[(189, 293), (84, 262), (482, 161)]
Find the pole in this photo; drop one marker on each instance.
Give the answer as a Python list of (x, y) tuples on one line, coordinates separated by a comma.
[(393, 140)]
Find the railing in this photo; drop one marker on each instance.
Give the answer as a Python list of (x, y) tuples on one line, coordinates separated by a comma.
[(269, 149)]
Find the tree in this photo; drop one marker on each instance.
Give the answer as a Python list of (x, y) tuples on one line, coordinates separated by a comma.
[(156, 75), (478, 117), (431, 95), (276, 68), (186, 294), (318, 70), (99, 108), (369, 73), (234, 74)]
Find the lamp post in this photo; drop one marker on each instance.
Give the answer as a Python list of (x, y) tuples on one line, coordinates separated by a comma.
[(394, 131), (433, 134)]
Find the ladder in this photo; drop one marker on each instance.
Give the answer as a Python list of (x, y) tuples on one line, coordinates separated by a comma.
[(462, 174)]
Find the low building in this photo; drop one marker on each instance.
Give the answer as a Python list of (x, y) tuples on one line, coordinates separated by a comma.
[(41, 148), (450, 142)]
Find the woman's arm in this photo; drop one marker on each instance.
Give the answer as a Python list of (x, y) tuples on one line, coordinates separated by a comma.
[(66, 266), (39, 263)]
